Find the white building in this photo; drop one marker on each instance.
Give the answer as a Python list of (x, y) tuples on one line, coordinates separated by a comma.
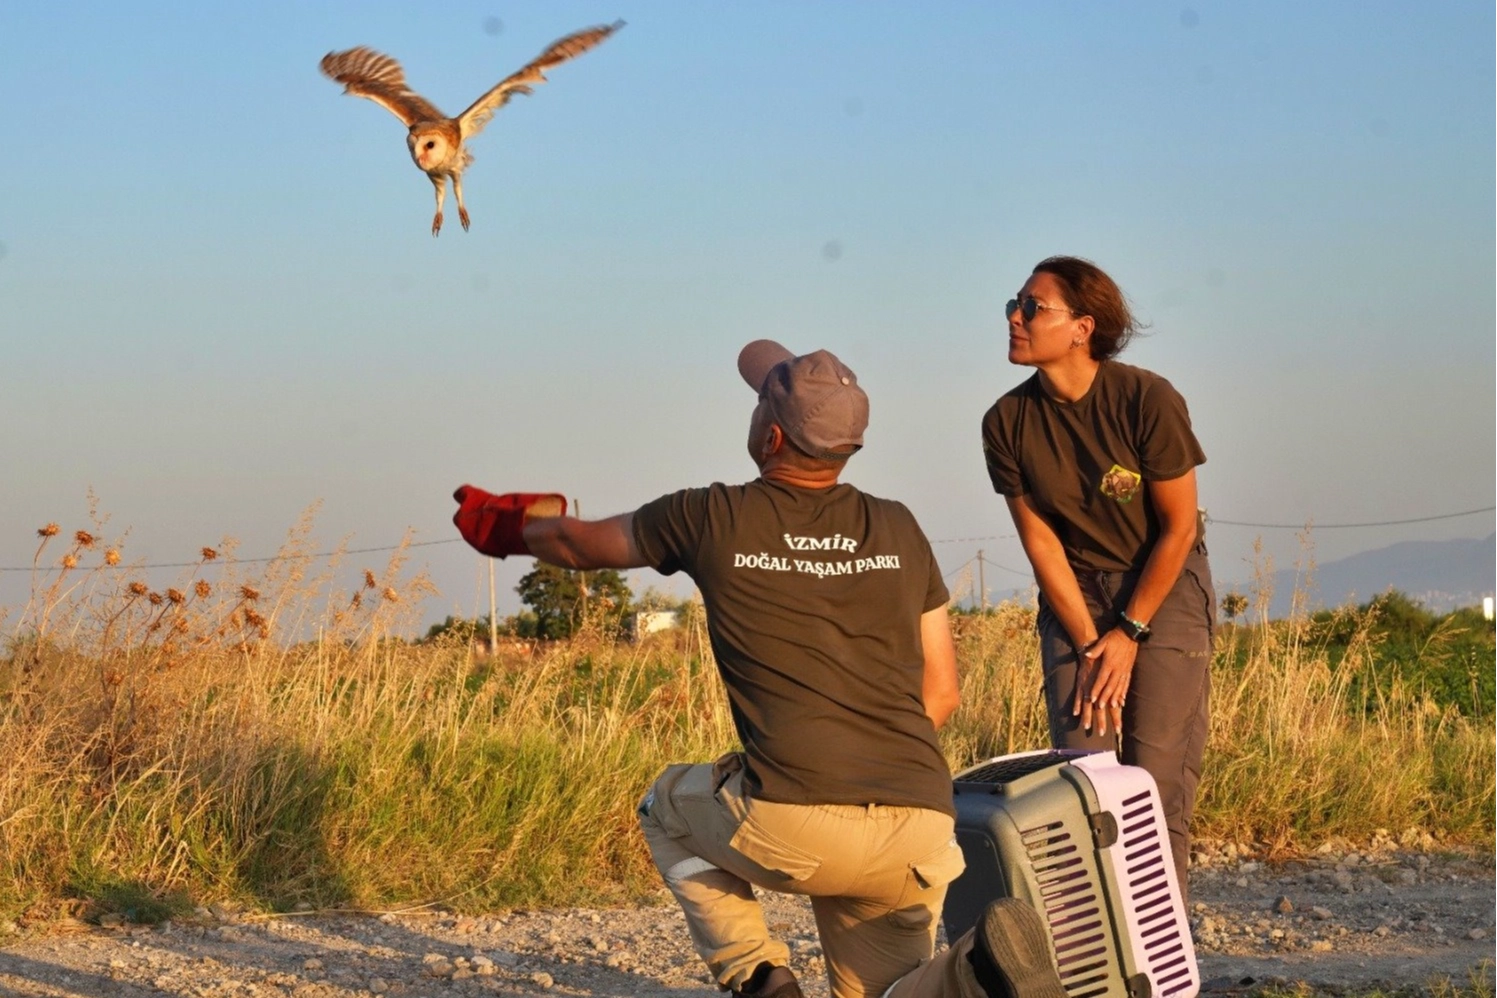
[(651, 621)]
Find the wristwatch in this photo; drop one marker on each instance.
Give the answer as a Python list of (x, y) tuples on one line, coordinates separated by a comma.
[(1135, 629)]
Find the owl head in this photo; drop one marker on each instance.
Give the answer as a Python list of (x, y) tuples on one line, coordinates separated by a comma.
[(429, 147)]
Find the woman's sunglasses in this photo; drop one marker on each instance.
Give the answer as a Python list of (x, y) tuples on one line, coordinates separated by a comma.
[(1029, 308)]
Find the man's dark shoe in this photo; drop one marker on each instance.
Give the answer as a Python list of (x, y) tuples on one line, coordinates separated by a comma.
[(770, 981), (1011, 953)]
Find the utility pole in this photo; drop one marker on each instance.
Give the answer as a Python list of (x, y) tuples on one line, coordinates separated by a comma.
[(581, 576), (982, 581)]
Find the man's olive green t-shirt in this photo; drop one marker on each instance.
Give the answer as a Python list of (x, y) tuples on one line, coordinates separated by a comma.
[(1086, 465), (813, 600)]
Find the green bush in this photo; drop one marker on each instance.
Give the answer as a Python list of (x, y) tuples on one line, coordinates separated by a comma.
[(1448, 657)]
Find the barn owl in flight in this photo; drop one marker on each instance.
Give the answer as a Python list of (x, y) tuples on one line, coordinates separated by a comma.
[(436, 141)]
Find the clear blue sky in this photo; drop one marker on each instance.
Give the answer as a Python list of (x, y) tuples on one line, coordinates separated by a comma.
[(219, 301)]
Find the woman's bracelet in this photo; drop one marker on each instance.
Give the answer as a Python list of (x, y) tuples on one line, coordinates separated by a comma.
[(1135, 629)]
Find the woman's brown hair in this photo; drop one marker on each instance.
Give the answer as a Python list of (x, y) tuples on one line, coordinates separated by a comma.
[(1089, 291)]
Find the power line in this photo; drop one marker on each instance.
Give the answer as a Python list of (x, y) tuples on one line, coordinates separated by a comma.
[(989, 561), (261, 561), (1015, 571), (958, 568), (944, 540), (1345, 526)]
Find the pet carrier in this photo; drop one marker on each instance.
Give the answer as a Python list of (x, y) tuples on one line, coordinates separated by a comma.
[(1082, 838)]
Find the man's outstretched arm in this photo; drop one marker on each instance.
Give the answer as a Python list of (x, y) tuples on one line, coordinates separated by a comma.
[(533, 523), (572, 543)]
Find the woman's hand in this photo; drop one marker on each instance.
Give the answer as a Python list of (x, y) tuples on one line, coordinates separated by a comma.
[(1103, 679)]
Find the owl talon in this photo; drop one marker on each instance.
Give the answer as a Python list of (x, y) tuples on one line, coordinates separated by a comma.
[(436, 223), (462, 216)]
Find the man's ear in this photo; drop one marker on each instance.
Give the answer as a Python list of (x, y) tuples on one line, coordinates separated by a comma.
[(774, 440)]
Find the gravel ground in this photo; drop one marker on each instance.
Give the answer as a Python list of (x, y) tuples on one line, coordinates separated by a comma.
[(1339, 920)]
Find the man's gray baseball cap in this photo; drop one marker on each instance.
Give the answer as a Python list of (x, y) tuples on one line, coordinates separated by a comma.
[(814, 397)]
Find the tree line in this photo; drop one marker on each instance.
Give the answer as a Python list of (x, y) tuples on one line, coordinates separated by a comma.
[(557, 601)]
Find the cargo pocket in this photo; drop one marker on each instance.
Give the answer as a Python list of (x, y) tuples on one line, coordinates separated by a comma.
[(925, 885), (682, 785), (774, 854)]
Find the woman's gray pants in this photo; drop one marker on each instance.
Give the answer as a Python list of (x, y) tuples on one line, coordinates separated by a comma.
[(1165, 716)]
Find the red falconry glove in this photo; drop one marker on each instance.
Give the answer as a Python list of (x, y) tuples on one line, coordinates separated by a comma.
[(494, 524)]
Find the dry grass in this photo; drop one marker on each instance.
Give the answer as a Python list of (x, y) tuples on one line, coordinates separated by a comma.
[(1476, 984), (1291, 760), (267, 737)]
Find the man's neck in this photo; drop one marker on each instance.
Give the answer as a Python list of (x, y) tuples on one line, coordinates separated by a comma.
[(785, 475)]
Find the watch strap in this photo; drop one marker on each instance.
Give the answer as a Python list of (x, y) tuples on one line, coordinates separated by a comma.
[(1135, 629)]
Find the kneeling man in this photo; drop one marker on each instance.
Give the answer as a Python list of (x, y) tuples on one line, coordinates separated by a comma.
[(827, 616)]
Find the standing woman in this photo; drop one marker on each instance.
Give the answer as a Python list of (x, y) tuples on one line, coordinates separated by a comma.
[(1097, 462)]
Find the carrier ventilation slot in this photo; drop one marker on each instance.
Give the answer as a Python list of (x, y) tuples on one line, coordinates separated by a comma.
[(1175, 982), (1014, 767), (1073, 909), (1143, 852), (1085, 982)]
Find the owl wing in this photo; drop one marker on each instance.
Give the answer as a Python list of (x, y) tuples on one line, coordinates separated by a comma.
[(367, 73), (472, 120)]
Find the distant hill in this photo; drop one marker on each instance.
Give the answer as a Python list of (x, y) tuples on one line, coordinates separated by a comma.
[(1443, 575)]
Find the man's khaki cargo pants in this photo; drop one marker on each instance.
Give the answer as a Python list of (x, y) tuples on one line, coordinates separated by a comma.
[(876, 875)]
